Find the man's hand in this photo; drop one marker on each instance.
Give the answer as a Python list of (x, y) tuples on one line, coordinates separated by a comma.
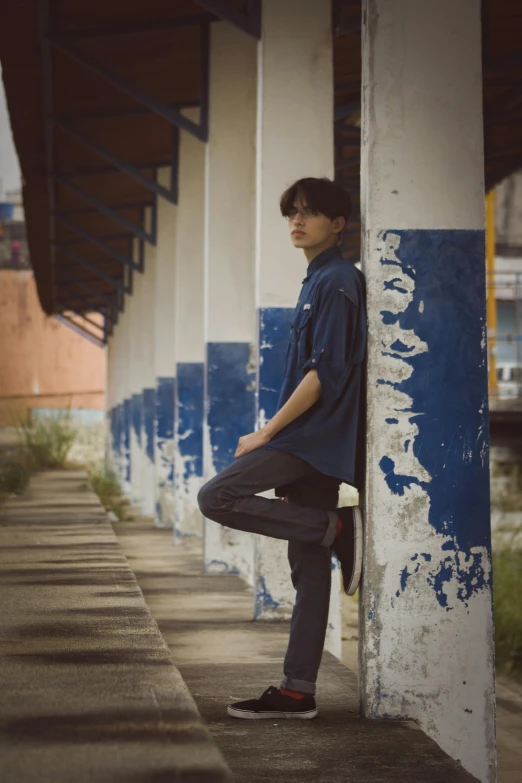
[(252, 442)]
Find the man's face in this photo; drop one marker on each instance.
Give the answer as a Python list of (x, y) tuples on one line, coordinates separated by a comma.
[(310, 229)]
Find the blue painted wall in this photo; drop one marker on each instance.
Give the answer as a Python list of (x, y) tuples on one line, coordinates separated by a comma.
[(136, 410), (148, 422), (273, 334), (127, 426), (230, 396), (448, 388), (189, 417)]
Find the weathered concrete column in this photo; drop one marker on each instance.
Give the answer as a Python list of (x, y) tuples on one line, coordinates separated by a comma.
[(294, 72), (125, 401), (229, 275), (189, 335), (427, 630), (136, 385), (146, 336), (164, 331)]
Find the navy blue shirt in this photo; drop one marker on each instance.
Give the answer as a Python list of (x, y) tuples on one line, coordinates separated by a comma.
[(328, 334)]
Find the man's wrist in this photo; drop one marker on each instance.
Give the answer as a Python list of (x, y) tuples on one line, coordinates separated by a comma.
[(268, 431)]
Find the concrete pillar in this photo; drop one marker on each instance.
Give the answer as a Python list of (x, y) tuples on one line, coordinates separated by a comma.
[(164, 330), (126, 401), (189, 336), (136, 386), (294, 140), (146, 337), (427, 628), (229, 275)]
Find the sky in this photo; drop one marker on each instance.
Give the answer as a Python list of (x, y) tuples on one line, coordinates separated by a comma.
[(10, 178)]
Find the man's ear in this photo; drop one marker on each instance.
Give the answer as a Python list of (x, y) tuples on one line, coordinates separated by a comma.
[(338, 225)]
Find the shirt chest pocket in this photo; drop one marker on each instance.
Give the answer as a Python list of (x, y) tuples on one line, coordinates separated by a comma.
[(301, 334)]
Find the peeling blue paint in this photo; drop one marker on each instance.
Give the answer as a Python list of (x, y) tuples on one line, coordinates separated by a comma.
[(189, 417), (448, 389), (230, 398), (264, 600), (392, 421), (136, 415), (149, 415), (165, 392), (127, 425), (273, 333), (225, 567)]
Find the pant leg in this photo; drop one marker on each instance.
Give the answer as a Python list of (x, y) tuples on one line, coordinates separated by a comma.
[(311, 576), (230, 499)]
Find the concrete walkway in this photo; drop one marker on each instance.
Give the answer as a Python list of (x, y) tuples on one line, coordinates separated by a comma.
[(88, 690), (223, 655)]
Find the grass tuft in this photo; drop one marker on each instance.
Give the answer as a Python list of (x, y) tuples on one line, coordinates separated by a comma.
[(507, 588), (48, 440), (106, 485)]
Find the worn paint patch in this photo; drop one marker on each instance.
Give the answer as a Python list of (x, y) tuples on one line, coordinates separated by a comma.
[(230, 379), (273, 334), (164, 449), (229, 414), (189, 448), (189, 416), (440, 371), (127, 426), (137, 416), (149, 414), (427, 596)]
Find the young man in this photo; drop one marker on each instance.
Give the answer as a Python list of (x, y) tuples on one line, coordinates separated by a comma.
[(309, 448)]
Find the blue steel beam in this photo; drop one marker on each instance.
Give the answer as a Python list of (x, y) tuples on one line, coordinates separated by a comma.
[(100, 170), (65, 319), (79, 241), (144, 27), (70, 296), (97, 242), (249, 23), (116, 284), (141, 96), (85, 287), (118, 163), (101, 207), (126, 111), (93, 211), (43, 31), (67, 308)]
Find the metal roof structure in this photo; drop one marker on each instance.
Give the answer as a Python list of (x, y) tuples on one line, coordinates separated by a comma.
[(96, 93)]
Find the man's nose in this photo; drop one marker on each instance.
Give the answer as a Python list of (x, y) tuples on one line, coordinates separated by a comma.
[(298, 220)]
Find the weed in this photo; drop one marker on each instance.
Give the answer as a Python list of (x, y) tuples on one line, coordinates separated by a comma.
[(14, 476), (48, 440), (507, 586), (106, 486)]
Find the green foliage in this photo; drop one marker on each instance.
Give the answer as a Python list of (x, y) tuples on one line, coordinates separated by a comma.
[(48, 440), (106, 486), (15, 473), (507, 589)]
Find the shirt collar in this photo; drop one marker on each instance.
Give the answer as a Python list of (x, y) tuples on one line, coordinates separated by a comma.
[(321, 260)]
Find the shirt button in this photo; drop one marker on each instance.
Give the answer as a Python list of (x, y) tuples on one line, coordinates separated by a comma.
[(313, 361)]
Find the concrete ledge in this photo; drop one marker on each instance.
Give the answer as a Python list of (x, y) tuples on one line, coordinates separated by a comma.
[(223, 656), (88, 690)]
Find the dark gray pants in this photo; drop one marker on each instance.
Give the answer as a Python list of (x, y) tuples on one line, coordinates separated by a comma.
[(307, 521)]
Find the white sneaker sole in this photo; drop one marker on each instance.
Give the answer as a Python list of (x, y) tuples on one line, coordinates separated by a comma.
[(358, 551), (249, 715)]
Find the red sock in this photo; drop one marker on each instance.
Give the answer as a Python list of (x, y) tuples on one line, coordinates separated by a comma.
[(339, 528), (292, 694)]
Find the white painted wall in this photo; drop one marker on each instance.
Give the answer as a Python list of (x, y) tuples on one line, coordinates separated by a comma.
[(422, 168), (147, 339)]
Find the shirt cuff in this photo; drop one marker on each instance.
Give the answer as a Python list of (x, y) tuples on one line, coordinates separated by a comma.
[(332, 379)]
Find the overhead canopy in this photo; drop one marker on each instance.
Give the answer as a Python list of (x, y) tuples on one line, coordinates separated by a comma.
[(96, 92)]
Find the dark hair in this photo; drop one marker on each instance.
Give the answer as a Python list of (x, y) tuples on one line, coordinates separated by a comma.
[(320, 195)]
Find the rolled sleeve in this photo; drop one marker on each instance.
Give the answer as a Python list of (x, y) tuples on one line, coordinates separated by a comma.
[(333, 341)]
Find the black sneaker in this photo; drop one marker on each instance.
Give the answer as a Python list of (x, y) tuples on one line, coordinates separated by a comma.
[(348, 547), (274, 704)]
